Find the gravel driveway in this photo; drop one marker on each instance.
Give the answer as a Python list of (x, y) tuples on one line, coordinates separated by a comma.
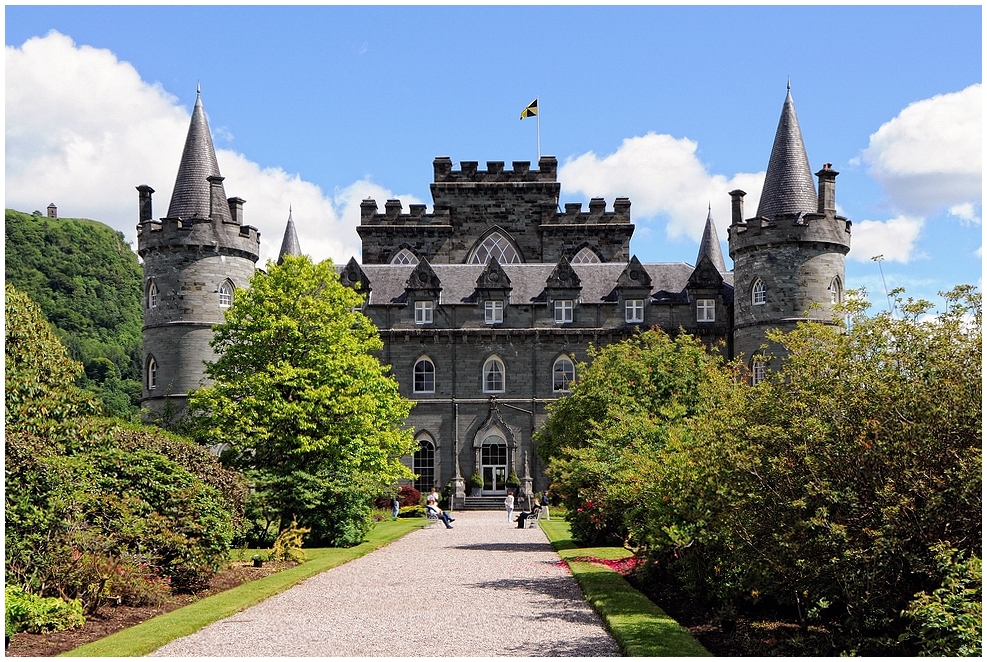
[(483, 588)]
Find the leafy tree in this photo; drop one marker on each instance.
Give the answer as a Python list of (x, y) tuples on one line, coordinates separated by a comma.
[(301, 403), (87, 281)]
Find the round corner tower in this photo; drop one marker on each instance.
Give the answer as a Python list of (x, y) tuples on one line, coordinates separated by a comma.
[(788, 259), (194, 259)]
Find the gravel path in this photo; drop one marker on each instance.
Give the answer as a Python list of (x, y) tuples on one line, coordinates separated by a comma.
[(483, 588)]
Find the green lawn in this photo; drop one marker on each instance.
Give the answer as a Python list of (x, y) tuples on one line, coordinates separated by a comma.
[(156, 632), (640, 627)]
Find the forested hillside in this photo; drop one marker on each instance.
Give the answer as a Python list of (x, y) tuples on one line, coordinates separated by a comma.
[(87, 281)]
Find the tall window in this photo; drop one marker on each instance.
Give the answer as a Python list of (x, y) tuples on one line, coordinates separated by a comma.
[(759, 368), (563, 374), (758, 295), (404, 256), (586, 255), (634, 311), (152, 295), (225, 294), (424, 381), (423, 464), (836, 291), (705, 310), (563, 311), (151, 373), (493, 312), (493, 375), (497, 246), (423, 312)]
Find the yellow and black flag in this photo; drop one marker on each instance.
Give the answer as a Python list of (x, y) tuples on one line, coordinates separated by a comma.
[(531, 110)]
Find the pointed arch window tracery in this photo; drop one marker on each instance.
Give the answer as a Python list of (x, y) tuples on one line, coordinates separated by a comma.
[(225, 294), (151, 374), (758, 293), (404, 256), (836, 291), (497, 246), (151, 299), (494, 375), (585, 255)]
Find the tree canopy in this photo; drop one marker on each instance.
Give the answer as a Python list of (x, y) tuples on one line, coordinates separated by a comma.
[(301, 403)]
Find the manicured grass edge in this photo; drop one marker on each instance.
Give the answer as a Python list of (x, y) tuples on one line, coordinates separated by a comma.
[(640, 627), (154, 633)]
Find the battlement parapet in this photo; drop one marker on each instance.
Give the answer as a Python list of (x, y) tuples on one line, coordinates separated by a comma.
[(597, 214), (827, 228), (369, 214), (223, 236), (495, 173)]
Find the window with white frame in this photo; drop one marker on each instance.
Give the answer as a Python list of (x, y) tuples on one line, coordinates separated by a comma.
[(423, 464), (493, 375), (225, 294), (585, 256), (493, 312), (497, 246), (151, 374), (152, 295), (759, 369), (424, 377), (423, 312), (705, 310), (404, 256), (563, 374), (563, 311), (758, 293), (836, 291), (634, 311)]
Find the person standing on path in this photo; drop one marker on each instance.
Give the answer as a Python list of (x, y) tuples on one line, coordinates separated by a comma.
[(396, 505), (544, 505), (509, 504)]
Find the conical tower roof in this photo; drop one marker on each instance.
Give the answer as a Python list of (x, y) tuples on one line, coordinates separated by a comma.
[(190, 197), (709, 246), (788, 186), (289, 245)]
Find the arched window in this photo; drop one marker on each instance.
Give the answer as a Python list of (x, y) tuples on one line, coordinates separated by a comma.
[(404, 256), (836, 291), (225, 294), (497, 246), (586, 255), (563, 374), (424, 381), (151, 298), (423, 464), (151, 374), (759, 370), (758, 294), (494, 376)]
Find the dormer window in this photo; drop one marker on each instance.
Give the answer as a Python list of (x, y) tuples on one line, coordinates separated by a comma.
[(706, 310), (495, 246), (758, 293), (634, 311), (423, 312), (563, 311), (493, 312)]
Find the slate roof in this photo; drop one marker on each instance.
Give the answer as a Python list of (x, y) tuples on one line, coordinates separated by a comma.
[(788, 184), (458, 281), (289, 245), (190, 197), (710, 245)]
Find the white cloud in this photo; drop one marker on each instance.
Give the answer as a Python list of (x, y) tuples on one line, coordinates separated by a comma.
[(663, 176), (83, 130), (929, 157), (894, 239)]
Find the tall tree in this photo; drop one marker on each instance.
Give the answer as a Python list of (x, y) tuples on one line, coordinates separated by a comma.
[(301, 403)]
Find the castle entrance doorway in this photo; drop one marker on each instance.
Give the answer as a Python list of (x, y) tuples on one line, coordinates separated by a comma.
[(493, 465)]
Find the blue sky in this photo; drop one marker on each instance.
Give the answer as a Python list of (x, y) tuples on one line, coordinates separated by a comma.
[(318, 107)]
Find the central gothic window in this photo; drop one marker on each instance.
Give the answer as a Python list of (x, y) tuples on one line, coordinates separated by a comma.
[(496, 246)]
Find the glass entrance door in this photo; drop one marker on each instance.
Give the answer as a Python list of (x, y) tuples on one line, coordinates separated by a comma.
[(493, 465)]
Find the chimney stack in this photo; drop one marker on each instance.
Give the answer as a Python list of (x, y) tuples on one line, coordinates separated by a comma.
[(144, 196), (737, 206), (827, 188)]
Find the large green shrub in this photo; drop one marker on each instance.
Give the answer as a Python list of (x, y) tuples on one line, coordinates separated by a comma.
[(25, 612)]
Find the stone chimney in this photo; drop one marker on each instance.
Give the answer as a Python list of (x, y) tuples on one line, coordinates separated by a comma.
[(827, 188), (737, 206), (144, 197), (236, 209)]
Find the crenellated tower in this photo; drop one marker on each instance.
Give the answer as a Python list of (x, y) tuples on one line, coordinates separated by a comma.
[(789, 259), (194, 259)]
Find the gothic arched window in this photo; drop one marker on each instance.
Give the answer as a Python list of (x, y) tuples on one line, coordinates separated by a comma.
[(836, 291), (424, 377), (423, 464), (404, 256), (758, 293), (151, 299), (225, 294), (494, 375), (497, 246), (151, 374), (586, 255), (563, 374), (759, 370)]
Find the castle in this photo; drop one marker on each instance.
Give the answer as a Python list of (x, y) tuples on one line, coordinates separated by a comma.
[(487, 304)]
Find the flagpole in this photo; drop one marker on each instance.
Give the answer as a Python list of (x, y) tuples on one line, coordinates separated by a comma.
[(538, 116)]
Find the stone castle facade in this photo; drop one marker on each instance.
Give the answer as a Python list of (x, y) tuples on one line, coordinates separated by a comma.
[(488, 303)]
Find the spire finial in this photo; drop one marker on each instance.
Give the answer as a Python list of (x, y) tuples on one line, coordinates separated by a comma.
[(789, 83), (198, 88)]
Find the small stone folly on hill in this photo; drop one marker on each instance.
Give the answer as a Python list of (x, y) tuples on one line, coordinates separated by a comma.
[(487, 303)]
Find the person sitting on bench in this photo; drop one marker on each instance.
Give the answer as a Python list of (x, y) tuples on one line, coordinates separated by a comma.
[(525, 515), (433, 508)]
